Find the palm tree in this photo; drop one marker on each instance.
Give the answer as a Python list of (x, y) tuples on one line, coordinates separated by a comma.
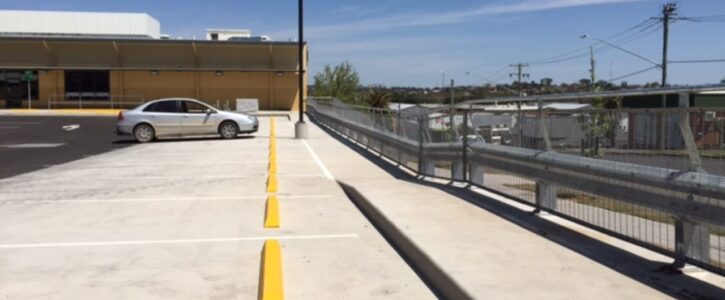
[(377, 97)]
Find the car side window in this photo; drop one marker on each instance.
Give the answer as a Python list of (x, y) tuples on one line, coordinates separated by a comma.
[(194, 107), (170, 106)]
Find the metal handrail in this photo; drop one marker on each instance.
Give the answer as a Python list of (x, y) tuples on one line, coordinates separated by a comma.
[(686, 195)]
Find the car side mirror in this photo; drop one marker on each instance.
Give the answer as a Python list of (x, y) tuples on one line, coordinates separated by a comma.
[(209, 111)]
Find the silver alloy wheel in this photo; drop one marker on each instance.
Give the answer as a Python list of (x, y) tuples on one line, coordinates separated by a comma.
[(228, 130), (144, 133)]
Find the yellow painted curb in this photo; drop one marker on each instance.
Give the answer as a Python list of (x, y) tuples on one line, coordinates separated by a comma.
[(271, 216), (272, 165), (272, 147), (270, 285), (272, 183)]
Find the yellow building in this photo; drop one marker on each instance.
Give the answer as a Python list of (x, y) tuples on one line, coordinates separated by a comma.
[(104, 72)]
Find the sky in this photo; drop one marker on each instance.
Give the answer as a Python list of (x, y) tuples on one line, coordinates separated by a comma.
[(419, 42)]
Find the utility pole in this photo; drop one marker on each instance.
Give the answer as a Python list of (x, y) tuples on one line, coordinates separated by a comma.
[(668, 10), (519, 75), (592, 69)]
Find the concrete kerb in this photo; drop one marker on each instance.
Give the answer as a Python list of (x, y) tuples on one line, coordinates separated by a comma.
[(437, 280)]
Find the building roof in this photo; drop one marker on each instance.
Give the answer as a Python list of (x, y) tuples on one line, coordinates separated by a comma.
[(66, 23)]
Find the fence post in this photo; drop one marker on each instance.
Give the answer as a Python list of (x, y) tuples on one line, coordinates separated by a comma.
[(460, 173), (692, 240), (423, 165)]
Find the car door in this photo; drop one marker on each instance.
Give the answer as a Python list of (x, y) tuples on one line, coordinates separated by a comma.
[(165, 117), (198, 119)]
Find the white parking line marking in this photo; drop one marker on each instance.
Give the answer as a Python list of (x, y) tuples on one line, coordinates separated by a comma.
[(324, 169), (71, 127), (179, 199), (180, 241), (141, 164), (20, 123), (38, 145), (9, 127), (192, 177)]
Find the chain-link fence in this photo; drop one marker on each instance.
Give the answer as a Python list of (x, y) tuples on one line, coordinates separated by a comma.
[(655, 177)]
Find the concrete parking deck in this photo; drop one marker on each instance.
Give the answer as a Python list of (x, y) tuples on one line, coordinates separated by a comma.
[(184, 220)]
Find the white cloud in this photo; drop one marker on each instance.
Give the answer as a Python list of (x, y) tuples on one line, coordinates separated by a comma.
[(452, 17)]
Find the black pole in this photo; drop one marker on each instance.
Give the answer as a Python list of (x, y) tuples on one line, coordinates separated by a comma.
[(301, 59)]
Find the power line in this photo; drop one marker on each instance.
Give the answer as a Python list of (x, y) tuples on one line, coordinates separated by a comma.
[(697, 61), (601, 47), (569, 53), (632, 74)]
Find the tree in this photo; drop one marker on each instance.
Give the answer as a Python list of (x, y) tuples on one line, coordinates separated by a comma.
[(340, 82), (377, 97)]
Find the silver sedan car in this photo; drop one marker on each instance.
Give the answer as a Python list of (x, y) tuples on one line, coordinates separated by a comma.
[(182, 117)]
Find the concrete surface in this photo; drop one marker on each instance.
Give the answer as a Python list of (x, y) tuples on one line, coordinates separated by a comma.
[(184, 220), (495, 249)]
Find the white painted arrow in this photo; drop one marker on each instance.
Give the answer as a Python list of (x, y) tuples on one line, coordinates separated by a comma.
[(71, 127)]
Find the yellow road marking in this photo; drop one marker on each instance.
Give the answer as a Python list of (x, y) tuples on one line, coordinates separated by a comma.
[(272, 166), (272, 183), (271, 217), (270, 287)]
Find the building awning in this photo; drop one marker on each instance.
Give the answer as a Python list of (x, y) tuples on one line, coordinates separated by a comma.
[(145, 54)]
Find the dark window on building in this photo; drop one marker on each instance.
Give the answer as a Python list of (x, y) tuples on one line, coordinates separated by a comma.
[(14, 89), (87, 85), (214, 36), (170, 106)]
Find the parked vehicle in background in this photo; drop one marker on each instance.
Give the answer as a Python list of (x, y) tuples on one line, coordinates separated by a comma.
[(182, 117)]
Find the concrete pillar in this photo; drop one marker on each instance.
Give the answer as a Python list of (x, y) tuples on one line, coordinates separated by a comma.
[(692, 240), (477, 174), (546, 195), (457, 170)]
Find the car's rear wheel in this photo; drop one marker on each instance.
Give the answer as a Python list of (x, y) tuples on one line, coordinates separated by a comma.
[(228, 130), (144, 133)]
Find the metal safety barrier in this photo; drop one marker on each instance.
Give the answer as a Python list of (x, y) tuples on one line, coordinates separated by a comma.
[(661, 187)]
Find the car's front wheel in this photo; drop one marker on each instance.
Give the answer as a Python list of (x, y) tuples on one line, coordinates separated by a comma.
[(144, 133), (228, 130)]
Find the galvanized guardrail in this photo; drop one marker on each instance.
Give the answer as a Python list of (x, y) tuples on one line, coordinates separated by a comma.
[(676, 211)]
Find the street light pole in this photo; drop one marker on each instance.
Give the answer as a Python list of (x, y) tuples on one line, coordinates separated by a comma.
[(301, 126)]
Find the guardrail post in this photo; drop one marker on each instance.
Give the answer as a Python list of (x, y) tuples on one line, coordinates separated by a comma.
[(545, 196), (477, 174), (458, 170), (692, 240)]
